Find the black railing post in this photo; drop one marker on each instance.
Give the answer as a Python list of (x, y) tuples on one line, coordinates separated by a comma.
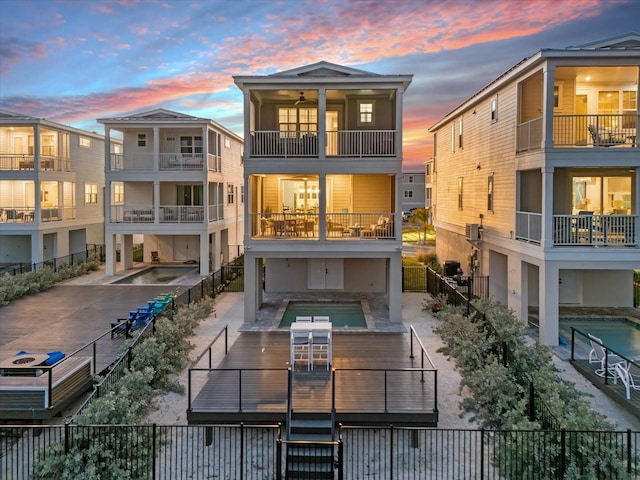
[(189, 389), (226, 340), (385, 392), (532, 409), (209, 357), (94, 357), (482, 454), (629, 451), (563, 452), (278, 459), (50, 388), (340, 460), (391, 453), (403, 278), (241, 451), (573, 337), (240, 390), (153, 453), (66, 438)]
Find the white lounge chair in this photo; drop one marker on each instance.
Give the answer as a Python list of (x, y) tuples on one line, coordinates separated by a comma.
[(321, 347), (301, 348), (304, 319), (321, 318), (599, 354), (624, 374)]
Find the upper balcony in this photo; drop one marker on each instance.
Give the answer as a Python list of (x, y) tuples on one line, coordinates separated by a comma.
[(22, 150), (174, 162), (586, 107)]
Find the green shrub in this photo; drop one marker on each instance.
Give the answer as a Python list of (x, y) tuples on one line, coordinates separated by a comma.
[(431, 261)]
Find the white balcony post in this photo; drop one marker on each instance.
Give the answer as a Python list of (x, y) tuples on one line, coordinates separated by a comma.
[(397, 141), (322, 122), (322, 201), (247, 124), (547, 207), (36, 149), (156, 149), (547, 106), (156, 201), (548, 287)]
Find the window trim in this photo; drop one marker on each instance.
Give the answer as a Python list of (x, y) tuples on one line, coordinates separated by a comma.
[(372, 114), (84, 142)]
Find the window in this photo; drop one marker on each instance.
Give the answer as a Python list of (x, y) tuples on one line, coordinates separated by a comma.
[(410, 179), (142, 140), (490, 193), (90, 193), (84, 142), (408, 194), (459, 193), (453, 137), (557, 93), (494, 109), (118, 192), (365, 112), (191, 145), (241, 193), (229, 193), (460, 133), (227, 143), (427, 197), (292, 120)]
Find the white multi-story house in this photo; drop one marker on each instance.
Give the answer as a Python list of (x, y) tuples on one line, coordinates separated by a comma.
[(323, 172), (537, 180), (51, 184), (178, 184), (413, 190)]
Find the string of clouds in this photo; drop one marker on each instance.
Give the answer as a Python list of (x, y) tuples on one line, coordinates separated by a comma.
[(72, 61)]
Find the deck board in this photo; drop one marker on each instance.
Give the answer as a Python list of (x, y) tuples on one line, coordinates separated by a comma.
[(358, 360)]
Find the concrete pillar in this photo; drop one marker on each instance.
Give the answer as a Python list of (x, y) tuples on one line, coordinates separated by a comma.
[(110, 254), (126, 251), (395, 287), (547, 207), (549, 300), (251, 271), (204, 254)]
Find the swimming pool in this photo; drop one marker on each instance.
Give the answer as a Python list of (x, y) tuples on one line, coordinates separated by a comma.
[(157, 276), (619, 334), (341, 314)]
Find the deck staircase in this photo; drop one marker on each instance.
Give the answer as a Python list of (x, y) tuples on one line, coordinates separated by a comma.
[(311, 447)]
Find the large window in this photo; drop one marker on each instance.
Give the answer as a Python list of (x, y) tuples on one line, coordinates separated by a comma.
[(292, 120), (118, 192), (189, 195), (90, 193), (618, 102), (191, 145), (602, 195), (459, 193)]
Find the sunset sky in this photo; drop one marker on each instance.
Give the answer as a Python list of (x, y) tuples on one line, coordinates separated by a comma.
[(72, 61)]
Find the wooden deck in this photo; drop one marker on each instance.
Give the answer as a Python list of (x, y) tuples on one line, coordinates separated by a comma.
[(375, 381)]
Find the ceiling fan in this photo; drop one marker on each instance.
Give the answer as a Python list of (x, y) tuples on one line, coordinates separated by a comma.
[(302, 99)]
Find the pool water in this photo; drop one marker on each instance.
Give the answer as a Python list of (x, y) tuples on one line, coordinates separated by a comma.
[(341, 314), (157, 276), (619, 334)]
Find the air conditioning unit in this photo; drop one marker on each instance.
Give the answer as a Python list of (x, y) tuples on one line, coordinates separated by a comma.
[(472, 231)]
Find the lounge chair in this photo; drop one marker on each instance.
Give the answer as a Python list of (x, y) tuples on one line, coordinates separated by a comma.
[(321, 347), (600, 355), (304, 319), (624, 374), (301, 348), (604, 138)]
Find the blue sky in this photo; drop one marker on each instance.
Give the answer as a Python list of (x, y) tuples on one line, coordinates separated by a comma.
[(72, 61)]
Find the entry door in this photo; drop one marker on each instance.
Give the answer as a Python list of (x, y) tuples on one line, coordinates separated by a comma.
[(570, 287), (332, 132), (325, 274)]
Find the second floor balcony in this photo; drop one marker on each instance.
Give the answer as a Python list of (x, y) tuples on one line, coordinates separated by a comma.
[(174, 162), (20, 215), (165, 214), (582, 230), (22, 162)]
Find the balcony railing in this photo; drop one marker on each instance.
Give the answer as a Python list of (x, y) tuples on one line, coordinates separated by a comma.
[(342, 143), (21, 215), (581, 230), (49, 163), (167, 161), (144, 214), (593, 131), (339, 226)]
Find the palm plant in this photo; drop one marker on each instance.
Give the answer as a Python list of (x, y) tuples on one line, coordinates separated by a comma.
[(422, 216)]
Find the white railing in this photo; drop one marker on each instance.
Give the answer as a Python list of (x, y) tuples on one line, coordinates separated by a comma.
[(529, 227), (132, 161), (27, 162), (595, 130), (214, 162), (181, 161), (342, 143), (343, 226), (595, 230), (181, 214), (529, 135)]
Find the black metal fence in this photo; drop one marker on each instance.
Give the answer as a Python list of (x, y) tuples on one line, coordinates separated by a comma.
[(419, 278), (256, 452), (55, 263)]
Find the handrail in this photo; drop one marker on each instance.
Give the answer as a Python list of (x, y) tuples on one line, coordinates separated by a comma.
[(225, 330), (424, 350)]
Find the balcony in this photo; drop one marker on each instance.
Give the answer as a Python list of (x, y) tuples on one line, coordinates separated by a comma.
[(22, 215), (48, 163), (586, 131), (145, 214), (338, 226), (341, 143), (581, 230), (176, 162)]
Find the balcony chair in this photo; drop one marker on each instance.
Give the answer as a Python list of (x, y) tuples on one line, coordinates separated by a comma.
[(604, 138), (599, 354), (624, 374), (321, 318), (14, 216), (304, 319)]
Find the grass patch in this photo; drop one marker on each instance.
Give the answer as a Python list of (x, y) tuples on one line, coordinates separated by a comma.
[(415, 236)]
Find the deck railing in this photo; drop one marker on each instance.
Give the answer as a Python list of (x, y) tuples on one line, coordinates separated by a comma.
[(339, 226), (254, 452), (339, 143), (146, 214), (51, 163)]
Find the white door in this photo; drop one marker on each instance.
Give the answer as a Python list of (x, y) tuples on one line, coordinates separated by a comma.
[(325, 274), (570, 287)]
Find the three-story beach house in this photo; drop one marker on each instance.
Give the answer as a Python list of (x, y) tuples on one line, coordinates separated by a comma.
[(178, 184), (323, 173), (51, 183), (537, 180)]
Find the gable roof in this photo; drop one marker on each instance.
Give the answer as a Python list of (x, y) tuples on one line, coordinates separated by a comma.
[(628, 40), (157, 114), (323, 69)]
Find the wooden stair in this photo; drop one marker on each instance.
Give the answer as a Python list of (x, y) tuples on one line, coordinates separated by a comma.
[(310, 448)]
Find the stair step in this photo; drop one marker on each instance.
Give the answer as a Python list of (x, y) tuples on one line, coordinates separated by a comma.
[(310, 437)]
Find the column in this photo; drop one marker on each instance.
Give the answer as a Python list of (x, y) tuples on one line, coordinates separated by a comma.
[(547, 106), (110, 254), (247, 124), (547, 207), (156, 201), (395, 287), (36, 149), (549, 299), (322, 122), (156, 148), (204, 254), (397, 141), (107, 168), (322, 211), (126, 251), (251, 288)]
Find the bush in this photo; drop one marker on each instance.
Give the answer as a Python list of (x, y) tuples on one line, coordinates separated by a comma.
[(431, 261)]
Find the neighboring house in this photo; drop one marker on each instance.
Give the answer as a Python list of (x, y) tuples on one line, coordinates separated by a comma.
[(537, 180), (428, 183), (51, 184), (413, 193), (323, 172), (178, 183)]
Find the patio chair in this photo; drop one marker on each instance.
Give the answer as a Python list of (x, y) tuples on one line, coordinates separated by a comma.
[(304, 319), (599, 354), (321, 347), (321, 318), (624, 373), (301, 348), (604, 138)]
